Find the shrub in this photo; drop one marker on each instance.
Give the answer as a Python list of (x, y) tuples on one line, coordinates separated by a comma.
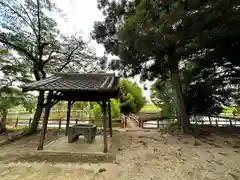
[(115, 110), (131, 98)]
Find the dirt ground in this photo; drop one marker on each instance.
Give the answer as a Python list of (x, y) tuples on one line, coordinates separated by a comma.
[(139, 156)]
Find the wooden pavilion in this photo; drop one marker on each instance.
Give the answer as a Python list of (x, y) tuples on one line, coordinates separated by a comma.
[(71, 87)]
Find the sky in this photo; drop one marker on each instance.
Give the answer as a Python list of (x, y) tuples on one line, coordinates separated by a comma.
[(80, 17)]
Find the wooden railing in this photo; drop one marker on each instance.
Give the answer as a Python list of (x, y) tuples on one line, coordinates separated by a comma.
[(123, 120), (137, 119)]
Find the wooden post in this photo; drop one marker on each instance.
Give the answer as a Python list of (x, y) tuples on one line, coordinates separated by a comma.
[(59, 123), (16, 123), (158, 125), (68, 117), (76, 121), (105, 149), (29, 122), (210, 121), (45, 121), (230, 123), (109, 117), (216, 122), (142, 122)]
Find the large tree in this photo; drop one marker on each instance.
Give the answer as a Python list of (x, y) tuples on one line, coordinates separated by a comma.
[(160, 38), (27, 28), (147, 40)]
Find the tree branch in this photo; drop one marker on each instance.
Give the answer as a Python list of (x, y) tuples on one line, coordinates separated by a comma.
[(50, 56), (60, 69), (68, 59), (18, 48), (31, 22), (19, 15), (39, 31)]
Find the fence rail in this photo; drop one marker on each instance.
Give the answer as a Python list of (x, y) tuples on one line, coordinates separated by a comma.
[(153, 122), (60, 123), (217, 121)]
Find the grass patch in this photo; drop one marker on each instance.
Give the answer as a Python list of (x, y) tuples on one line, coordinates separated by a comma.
[(150, 108)]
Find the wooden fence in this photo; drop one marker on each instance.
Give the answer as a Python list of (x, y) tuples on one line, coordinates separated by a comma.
[(217, 121), (60, 123), (155, 122)]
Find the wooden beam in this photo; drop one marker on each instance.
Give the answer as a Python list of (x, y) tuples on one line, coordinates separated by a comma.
[(109, 117), (68, 117), (86, 96), (45, 121), (111, 82), (105, 82), (105, 149)]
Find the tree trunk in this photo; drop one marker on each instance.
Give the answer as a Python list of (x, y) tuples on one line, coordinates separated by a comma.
[(3, 128), (181, 110), (38, 113), (4, 119)]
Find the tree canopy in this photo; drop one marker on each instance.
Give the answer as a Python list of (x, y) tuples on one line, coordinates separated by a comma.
[(161, 39)]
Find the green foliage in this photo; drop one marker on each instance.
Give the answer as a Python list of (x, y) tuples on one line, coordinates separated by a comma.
[(115, 108), (10, 97), (162, 96), (231, 110), (150, 108), (209, 99), (98, 112), (131, 98), (80, 105), (12, 71)]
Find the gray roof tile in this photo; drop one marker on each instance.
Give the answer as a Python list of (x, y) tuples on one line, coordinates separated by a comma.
[(75, 82)]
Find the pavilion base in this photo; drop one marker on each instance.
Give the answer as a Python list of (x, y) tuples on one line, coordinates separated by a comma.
[(80, 146), (79, 151)]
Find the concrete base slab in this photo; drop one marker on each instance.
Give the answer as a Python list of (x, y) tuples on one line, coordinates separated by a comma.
[(80, 146)]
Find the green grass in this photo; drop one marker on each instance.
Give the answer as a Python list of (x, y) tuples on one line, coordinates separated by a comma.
[(150, 108), (228, 110)]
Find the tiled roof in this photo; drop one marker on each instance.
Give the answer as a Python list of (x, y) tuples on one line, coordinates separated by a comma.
[(75, 82)]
